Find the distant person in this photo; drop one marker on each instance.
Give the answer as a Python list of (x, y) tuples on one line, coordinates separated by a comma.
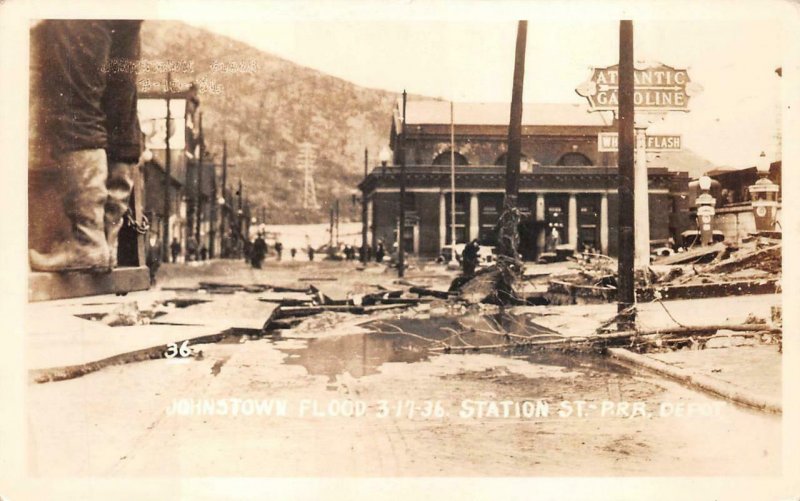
[(380, 252), (203, 253), (191, 249), (554, 240), (153, 259), (175, 249), (259, 251), (293, 252), (469, 261), (247, 251), (279, 250), (310, 252), (347, 252)]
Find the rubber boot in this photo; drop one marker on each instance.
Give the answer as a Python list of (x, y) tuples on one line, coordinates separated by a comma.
[(119, 185), (83, 178)]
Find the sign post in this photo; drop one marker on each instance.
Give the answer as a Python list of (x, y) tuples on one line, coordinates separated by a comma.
[(657, 89)]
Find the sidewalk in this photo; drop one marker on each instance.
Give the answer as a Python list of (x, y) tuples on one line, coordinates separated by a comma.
[(747, 375), (583, 320)]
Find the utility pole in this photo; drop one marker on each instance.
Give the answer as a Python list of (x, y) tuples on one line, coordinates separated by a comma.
[(240, 214), (401, 254), (224, 214), (625, 282), (199, 163), (364, 211), (167, 177), (212, 230), (453, 264), (336, 205), (508, 262), (330, 231), (515, 121)]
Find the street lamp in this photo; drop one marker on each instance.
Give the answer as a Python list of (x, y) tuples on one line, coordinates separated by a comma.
[(705, 211), (764, 197)]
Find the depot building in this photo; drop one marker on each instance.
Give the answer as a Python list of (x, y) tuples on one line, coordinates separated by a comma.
[(568, 188)]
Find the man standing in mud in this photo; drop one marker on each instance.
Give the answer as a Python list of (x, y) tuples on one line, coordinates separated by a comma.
[(469, 260)]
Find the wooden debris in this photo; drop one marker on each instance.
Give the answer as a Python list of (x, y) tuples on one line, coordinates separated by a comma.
[(694, 255)]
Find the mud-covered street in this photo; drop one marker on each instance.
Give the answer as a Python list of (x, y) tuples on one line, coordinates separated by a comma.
[(370, 395)]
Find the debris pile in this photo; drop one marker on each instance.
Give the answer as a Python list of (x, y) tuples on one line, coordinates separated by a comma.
[(713, 271)]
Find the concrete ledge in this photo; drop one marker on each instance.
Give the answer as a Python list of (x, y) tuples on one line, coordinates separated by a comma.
[(705, 383), (49, 286), (153, 352)]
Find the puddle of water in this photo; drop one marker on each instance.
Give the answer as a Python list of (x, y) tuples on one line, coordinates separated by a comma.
[(364, 354), (358, 354)]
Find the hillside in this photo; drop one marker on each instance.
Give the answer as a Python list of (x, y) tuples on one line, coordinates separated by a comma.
[(684, 160), (265, 106)]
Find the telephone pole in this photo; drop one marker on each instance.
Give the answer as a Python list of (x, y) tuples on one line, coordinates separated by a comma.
[(515, 121), (364, 211), (625, 280), (508, 261), (167, 177), (401, 254), (224, 215), (199, 163)]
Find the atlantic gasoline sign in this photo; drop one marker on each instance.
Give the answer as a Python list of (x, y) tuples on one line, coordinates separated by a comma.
[(655, 88)]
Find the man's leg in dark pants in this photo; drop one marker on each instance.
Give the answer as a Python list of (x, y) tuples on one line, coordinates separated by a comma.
[(121, 124)]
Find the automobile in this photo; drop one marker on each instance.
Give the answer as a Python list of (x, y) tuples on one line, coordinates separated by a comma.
[(485, 254)]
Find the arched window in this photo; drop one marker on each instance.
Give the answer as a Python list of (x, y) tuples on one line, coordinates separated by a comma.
[(573, 159), (443, 158)]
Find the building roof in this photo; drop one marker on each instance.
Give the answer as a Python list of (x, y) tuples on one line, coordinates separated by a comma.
[(430, 112)]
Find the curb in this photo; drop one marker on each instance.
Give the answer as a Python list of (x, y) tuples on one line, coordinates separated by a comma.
[(710, 385)]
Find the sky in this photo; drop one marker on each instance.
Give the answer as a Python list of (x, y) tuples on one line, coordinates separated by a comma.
[(729, 123)]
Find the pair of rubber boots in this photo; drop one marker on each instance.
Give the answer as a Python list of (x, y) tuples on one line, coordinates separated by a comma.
[(95, 200)]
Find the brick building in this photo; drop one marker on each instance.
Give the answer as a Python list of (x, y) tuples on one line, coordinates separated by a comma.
[(566, 185)]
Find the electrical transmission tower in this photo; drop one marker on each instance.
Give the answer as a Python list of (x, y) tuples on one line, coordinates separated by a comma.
[(306, 159)]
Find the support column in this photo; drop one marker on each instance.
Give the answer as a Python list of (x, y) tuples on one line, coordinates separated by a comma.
[(541, 237), (641, 204), (604, 224), (572, 214), (442, 221), (474, 223)]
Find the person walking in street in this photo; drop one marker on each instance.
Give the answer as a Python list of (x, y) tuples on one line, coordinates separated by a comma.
[(293, 252), (380, 252), (279, 249), (310, 252), (259, 251), (84, 122), (175, 249)]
